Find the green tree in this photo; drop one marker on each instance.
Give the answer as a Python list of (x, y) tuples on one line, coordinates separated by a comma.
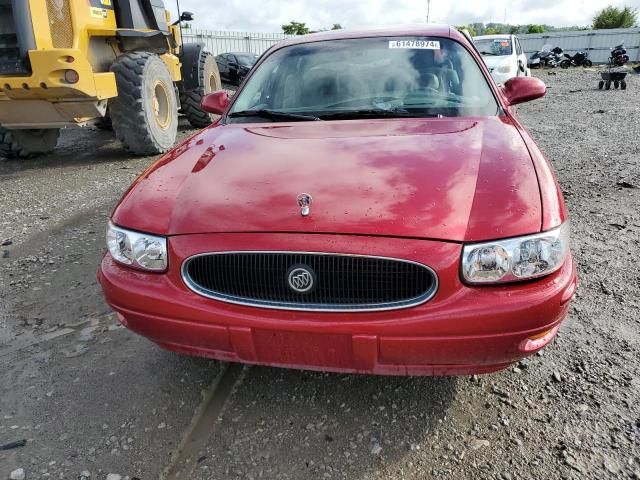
[(295, 28), (469, 28), (336, 26), (614, 17), (491, 31), (478, 28), (497, 28), (535, 28)]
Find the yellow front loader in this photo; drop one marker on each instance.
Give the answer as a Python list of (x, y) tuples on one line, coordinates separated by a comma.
[(83, 62)]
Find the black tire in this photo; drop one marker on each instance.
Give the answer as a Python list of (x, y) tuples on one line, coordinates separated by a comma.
[(623, 85), (104, 123), (565, 64), (27, 143), (144, 115), (616, 84), (208, 81), (607, 85), (600, 84), (588, 63)]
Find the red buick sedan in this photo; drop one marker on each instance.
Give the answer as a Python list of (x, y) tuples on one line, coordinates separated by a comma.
[(367, 202)]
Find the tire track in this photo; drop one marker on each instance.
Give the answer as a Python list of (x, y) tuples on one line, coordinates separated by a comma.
[(184, 460)]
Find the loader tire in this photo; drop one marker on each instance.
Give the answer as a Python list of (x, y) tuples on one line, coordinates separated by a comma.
[(144, 115), (104, 123), (208, 81), (27, 143)]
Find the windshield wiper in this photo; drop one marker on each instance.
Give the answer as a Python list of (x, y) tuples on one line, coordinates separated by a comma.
[(488, 53), (369, 112), (273, 114)]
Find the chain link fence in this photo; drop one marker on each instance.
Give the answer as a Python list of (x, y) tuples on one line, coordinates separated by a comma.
[(218, 42)]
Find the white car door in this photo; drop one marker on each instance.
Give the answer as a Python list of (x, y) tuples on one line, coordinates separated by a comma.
[(523, 69)]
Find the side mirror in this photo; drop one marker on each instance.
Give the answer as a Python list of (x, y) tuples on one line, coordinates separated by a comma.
[(186, 17), (216, 102), (523, 89)]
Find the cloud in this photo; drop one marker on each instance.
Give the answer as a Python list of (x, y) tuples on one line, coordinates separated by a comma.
[(263, 16)]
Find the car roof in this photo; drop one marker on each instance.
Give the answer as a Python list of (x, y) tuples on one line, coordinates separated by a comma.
[(420, 29)]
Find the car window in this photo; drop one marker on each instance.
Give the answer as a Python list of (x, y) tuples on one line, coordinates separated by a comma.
[(418, 76), (494, 46)]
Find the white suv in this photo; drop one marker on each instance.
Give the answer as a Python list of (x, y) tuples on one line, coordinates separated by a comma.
[(503, 55)]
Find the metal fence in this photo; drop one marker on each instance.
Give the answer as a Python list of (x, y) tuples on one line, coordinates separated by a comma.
[(220, 42), (596, 42)]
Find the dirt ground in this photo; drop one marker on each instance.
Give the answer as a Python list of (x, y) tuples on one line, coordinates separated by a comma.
[(93, 400)]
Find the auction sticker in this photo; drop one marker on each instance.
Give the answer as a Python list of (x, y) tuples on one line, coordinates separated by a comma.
[(420, 44)]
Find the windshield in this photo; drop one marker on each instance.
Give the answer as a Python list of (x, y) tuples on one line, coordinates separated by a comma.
[(493, 46), (406, 76), (247, 60)]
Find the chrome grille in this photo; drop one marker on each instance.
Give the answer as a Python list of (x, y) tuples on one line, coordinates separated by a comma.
[(60, 23), (341, 282)]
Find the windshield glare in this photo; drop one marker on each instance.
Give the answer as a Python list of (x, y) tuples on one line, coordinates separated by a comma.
[(416, 76), (493, 46)]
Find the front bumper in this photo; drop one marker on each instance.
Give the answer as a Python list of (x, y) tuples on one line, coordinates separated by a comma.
[(461, 330)]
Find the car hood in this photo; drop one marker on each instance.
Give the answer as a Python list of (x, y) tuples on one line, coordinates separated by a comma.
[(495, 61), (453, 179)]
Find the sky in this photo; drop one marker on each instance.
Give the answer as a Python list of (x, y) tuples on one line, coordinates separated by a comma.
[(269, 15)]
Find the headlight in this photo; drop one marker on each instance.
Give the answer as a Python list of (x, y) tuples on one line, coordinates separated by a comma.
[(505, 67), (516, 259), (140, 250)]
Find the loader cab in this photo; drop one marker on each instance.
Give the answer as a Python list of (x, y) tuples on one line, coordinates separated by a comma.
[(143, 25), (141, 14)]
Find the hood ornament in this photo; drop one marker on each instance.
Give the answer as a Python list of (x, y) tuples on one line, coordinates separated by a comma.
[(304, 202)]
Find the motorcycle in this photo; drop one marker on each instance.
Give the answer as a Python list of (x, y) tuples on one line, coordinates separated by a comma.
[(556, 58), (546, 57), (540, 58), (580, 59), (618, 55)]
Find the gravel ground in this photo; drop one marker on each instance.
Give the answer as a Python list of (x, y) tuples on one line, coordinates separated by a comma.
[(89, 396)]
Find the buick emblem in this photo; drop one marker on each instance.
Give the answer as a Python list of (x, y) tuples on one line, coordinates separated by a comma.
[(304, 202), (301, 279)]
